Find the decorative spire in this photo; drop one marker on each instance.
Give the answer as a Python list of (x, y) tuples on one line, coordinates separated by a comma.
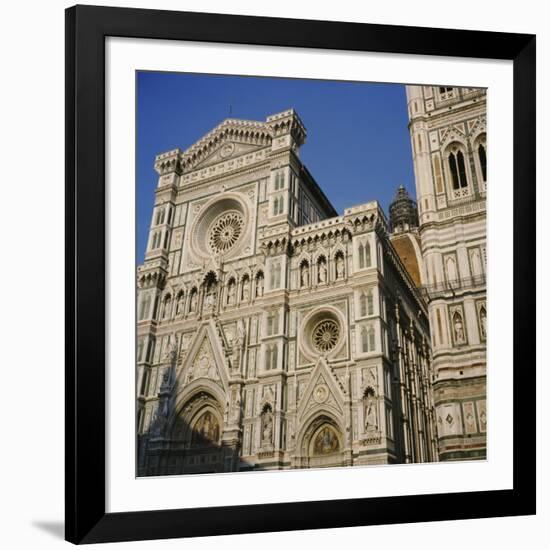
[(403, 212)]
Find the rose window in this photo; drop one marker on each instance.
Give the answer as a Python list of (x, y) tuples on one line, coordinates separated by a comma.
[(225, 232), (325, 335)]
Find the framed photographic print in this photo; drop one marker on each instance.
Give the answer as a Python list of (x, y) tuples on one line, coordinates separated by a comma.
[(300, 274)]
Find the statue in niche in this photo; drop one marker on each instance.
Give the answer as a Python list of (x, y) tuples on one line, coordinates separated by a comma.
[(483, 322), (267, 428), (458, 328), (371, 420), (246, 290), (259, 285), (173, 348), (171, 353), (193, 302), (237, 406), (161, 418), (326, 442), (210, 299), (185, 342), (179, 305), (322, 272), (339, 267), (241, 333), (231, 293), (304, 275)]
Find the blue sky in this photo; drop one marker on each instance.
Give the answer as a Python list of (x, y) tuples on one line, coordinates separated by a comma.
[(357, 146)]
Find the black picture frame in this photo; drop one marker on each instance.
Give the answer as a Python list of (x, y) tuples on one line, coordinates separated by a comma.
[(86, 29)]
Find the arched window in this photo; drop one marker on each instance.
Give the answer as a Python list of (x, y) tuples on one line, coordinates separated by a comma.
[(272, 322), (159, 218), (364, 340), (370, 332), (369, 301), (482, 160), (144, 307), (271, 357), (275, 275), (155, 241), (367, 339), (364, 255), (450, 265), (458, 169), (278, 205), (140, 347), (446, 92), (279, 180)]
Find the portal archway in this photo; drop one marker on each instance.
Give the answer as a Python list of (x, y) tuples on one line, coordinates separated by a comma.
[(322, 444), (195, 439)]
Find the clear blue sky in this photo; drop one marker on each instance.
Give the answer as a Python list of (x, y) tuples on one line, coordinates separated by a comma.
[(357, 146)]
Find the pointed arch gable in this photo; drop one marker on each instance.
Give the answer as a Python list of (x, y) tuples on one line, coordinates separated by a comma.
[(207, 332), (310, 404)]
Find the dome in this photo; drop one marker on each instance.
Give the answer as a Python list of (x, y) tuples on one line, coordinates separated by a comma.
[(403, 212)]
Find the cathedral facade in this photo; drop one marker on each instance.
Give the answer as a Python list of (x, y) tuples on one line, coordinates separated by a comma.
[(273, 333)]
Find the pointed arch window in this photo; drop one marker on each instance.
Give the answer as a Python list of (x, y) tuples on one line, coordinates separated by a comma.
[(367, 339), (272, 323), (279, 180), (271, 353), (482, 160), (278, 205), (364, 255), (144, 307), (446, 92), (367, 303), (458, 169), (275, 275)]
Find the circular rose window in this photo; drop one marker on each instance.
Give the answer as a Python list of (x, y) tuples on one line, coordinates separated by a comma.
[(225, 232), (325, 335), (221, 227)]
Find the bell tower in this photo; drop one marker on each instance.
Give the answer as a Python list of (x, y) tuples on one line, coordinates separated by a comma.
[(448, 136)]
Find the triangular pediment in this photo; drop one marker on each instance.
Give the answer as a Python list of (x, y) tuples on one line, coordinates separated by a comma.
[(323, 391), (228, 151), (230, 139), (205, 359)]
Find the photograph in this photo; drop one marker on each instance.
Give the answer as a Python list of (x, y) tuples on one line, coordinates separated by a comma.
[(310, 278)]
